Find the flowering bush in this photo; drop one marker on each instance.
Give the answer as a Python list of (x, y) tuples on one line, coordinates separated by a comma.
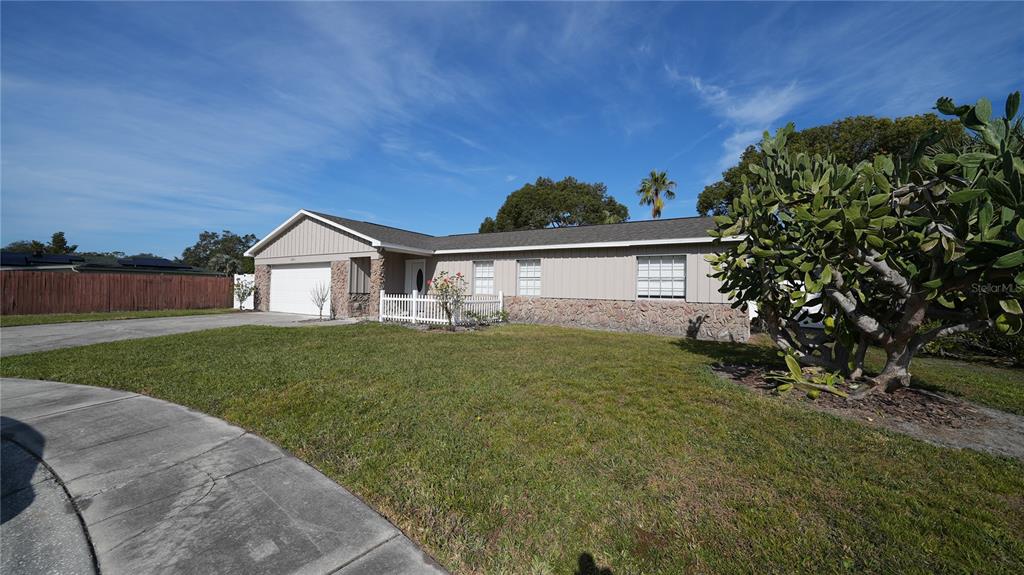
[(243, 288), (450, 291)]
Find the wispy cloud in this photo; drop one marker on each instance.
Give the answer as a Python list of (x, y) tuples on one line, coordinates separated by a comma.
[(746, 114), (150, 156)]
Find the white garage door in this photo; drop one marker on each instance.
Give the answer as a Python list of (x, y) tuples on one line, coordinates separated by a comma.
[(291, 288)]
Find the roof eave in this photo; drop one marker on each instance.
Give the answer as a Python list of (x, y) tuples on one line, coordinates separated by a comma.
[(406, 249)]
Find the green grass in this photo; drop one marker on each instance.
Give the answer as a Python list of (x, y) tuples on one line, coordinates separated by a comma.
[(40, 319), (520, 448), (998, 387)]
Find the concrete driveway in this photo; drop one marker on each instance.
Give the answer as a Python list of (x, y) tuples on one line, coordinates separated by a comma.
[(98, 480), (30, 338)]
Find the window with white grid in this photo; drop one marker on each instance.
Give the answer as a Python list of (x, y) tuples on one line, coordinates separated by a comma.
[(529, 277), (483, 277), (661, 276)]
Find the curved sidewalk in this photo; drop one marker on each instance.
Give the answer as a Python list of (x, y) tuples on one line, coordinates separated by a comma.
[(159, 488)]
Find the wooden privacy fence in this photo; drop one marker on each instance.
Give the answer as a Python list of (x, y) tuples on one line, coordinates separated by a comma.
[(29, 292), (416, 308)]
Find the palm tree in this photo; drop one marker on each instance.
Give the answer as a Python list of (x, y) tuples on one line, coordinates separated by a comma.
[(654, 190)]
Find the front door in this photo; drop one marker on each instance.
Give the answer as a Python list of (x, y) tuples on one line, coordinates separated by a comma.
[(415, 275)]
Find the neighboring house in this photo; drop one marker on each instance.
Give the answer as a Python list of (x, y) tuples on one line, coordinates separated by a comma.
[(646, 276), (19, 261)]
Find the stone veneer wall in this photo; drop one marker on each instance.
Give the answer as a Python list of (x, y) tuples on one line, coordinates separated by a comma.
[(339, 288), (376, 285), (708, 321), (261, 300), (359, 304)]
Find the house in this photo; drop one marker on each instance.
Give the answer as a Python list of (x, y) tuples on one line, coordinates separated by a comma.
[(646, 276)]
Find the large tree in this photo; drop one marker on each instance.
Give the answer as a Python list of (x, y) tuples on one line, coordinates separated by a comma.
[(654, 190), (213, 247), (892, 253), (850, 141), (58, 245), (550, 204)]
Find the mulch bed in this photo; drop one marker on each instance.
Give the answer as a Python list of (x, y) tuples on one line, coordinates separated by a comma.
[(939, 419), (914, 405)]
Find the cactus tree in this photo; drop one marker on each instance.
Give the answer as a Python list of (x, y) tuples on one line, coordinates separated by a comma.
[(878, 250)]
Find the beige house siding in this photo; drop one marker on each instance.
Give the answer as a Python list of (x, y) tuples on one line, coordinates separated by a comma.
[(309, 238), (601, 274)]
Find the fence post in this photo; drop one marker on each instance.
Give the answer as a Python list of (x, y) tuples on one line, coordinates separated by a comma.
[(501, 302), (413, 307), (380, 308)]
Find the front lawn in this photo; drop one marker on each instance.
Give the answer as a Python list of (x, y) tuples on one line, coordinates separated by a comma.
[(526, 449), (39, 319)]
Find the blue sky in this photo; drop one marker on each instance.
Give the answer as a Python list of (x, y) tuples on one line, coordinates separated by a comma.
[(134, 126)]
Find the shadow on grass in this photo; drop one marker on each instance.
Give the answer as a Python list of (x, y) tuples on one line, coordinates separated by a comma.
[(732, 353), (586, 565)]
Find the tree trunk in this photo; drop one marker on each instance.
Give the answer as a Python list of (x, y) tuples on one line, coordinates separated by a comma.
[(896, 373), (858, 358)]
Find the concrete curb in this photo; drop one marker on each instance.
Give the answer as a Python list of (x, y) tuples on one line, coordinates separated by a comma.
[(162, 488)]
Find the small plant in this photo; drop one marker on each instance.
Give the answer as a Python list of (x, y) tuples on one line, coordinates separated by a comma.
[(795, 378), (243, 288), (319, 295), (450, 291), (487, 318)]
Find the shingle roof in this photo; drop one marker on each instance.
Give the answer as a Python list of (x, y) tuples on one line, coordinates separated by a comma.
[(386, 234), (675, 228)]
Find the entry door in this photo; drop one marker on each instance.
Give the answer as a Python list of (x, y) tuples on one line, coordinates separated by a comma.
[(415, 275)]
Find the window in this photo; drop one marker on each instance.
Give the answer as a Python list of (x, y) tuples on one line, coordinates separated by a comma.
[(661, 276), (483, 277), (529, 277)]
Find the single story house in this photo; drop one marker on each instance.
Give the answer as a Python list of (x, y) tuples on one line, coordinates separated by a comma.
[(648, 276)]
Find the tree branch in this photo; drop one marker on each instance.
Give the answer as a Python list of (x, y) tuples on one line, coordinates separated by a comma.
[(938, 332), (888, 275), (865, 323)]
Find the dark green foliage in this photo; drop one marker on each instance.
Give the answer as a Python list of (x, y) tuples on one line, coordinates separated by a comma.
[(850, 141), (883, 246), (58, 245), (215, 249), (550, 204)]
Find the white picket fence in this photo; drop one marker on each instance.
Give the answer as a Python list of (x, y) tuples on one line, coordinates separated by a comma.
[(417, 308)]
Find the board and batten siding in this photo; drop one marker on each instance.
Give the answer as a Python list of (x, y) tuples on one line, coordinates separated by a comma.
[(603, 273), (309, 237), (359, 275)]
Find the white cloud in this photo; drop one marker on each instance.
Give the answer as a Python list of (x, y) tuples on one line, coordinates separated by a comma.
[(100, 152), (747, 114)]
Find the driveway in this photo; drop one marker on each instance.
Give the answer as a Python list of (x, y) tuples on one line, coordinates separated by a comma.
[(30, 338), (97, 480)]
